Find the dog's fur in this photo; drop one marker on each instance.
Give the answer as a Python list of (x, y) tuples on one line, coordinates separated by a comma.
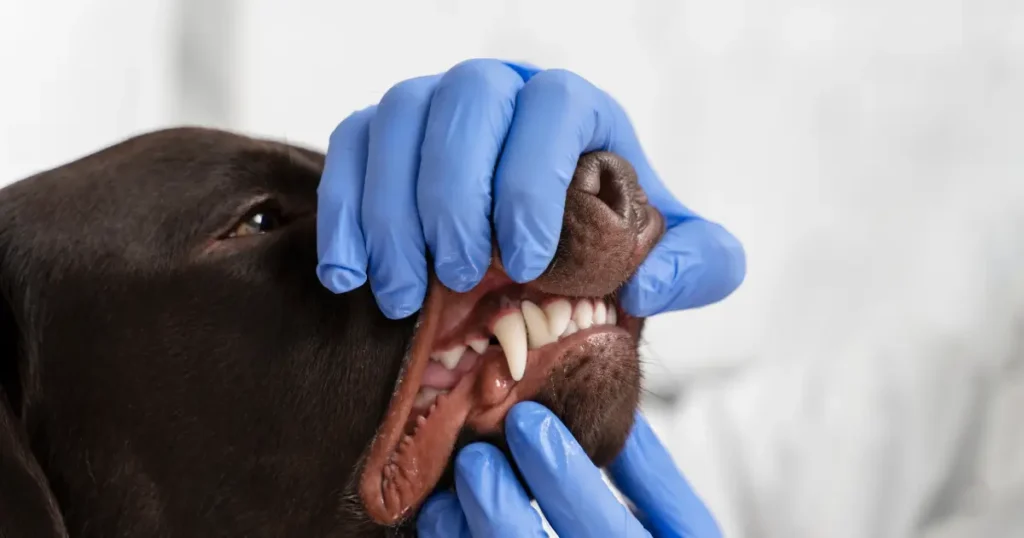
[(161, 380)]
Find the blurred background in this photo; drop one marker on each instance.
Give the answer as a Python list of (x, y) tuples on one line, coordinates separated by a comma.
[(867, 380)]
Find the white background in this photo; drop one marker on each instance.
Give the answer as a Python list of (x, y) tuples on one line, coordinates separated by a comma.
[(866, 380)]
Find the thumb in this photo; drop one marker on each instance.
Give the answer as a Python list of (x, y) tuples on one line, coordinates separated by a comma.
[(696, 263), (664, 501)]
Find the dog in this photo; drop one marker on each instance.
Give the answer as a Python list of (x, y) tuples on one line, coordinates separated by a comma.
[(172, 367)]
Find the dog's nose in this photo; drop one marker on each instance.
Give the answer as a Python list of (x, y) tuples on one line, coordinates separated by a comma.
[(608, 229)]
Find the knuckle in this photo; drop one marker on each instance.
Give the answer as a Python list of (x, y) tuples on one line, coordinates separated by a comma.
[(558, 84), (412, 93), (483, 75), (351, 127)]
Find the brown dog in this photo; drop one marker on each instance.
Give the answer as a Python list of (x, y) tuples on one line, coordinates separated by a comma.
[(171, 366)]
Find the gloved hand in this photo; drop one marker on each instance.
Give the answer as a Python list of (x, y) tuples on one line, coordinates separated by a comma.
[(421, 169), (569, 490)]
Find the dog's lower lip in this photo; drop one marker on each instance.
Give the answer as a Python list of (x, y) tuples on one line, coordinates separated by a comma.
[(481, 398), (497, 392), (409, 455)]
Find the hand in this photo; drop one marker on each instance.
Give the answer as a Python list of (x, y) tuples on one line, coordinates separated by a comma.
[(418, 172), (489, 501)]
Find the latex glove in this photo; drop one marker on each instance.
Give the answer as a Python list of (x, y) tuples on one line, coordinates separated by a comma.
[(489, 501), (420, 171)]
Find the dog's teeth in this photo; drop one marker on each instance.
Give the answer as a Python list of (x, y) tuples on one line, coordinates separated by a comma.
[(479, 344), (600, 313), (426, 397), (559, 313), (584, 314), (537, 331), (613, 316), (421, 420), (571, 328), (450, 357), (510, 330)]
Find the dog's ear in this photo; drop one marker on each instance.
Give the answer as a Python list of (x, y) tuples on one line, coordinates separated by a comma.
[(28, 508)]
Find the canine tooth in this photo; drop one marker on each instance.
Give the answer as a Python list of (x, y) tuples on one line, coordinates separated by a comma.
[(510, 330), (421, 420), (584, 314), (613, 316), (600, 313), (559, 313), (479, 344), (571, 328), (537, 332), (449, 358)]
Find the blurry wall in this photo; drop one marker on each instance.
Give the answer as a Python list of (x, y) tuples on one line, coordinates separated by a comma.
[(864, 379)]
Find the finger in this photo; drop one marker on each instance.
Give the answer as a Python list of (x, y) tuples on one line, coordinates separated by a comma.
[(646, 474), (695, 263), (526, 70), (442, 517), (567, 485), (341, 250), (394, 236), (558, 117), (494, 502), (470, 114)]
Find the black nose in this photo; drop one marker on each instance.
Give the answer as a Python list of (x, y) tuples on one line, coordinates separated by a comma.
[(607, 230), (610, 178)]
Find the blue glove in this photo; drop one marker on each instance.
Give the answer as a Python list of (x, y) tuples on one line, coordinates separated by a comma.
[(422, 169), (568, 487)]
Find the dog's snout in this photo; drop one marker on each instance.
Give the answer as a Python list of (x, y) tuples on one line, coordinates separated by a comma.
[(608, 228)]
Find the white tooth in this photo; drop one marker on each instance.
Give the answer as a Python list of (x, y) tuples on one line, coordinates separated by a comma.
[(600, 313), (425, 397), (479, 344), (613, 315), (559, 313), (571, 328), (537, 331), (584, 314), (449, 358), (510, 330)]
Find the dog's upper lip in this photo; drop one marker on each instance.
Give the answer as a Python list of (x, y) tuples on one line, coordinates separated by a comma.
[(602, 243), (460, 306), (406, 460)]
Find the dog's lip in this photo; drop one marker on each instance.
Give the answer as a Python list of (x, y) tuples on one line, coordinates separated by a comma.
[(458, 313), (497, 392), (401, 471)]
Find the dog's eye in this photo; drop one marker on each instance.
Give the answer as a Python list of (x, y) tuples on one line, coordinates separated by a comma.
[(257, 222)]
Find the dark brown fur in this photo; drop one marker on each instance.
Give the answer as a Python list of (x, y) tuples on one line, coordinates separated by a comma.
[(159, 382)]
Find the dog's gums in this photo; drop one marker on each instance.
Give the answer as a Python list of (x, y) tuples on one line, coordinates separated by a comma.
[(475, 354)]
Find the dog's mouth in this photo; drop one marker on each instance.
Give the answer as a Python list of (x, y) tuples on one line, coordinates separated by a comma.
[(497, 344), (476, 354)]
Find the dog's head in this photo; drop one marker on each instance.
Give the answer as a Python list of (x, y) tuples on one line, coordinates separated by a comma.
[(171, 364)]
